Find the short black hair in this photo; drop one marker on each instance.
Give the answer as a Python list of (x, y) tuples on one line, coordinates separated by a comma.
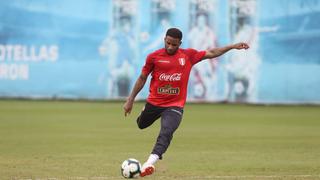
[(175, 33)]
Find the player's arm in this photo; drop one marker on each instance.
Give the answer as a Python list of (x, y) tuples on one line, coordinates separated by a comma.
[(127, 107), (215, 52)]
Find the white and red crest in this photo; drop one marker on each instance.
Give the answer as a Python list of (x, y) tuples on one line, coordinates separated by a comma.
[(182, 61)]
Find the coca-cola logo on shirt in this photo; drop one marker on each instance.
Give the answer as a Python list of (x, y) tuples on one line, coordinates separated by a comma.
[(170, 77)]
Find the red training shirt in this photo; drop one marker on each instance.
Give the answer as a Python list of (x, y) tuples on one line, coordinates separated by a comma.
[(170, 75)]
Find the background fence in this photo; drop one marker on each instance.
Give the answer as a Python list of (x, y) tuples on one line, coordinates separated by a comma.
[(79, 49)]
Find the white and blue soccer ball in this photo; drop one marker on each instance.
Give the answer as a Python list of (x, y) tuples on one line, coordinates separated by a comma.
[(130, 168)]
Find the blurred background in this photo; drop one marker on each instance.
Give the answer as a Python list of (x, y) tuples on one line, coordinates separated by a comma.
[(95, 49), (81, 49)]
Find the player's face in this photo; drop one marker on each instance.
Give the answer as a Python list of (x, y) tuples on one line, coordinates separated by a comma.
[(171, 44)]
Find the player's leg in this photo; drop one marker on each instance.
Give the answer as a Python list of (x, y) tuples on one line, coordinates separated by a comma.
[(149, 115), (170, 121)]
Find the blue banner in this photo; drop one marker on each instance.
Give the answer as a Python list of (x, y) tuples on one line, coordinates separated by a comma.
[(79, 49)]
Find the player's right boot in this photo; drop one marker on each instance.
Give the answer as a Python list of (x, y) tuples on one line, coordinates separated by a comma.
[(147, 169)]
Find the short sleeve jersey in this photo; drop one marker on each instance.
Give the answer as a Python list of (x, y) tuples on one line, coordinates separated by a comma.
[(170, 75)]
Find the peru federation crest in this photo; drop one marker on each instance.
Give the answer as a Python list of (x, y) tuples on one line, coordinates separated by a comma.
[(182, 61)]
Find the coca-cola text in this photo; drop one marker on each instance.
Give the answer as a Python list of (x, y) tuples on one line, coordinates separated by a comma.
[(170, 77)]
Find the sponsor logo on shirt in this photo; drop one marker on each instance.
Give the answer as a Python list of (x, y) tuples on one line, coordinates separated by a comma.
[(167, 89), (170, 77)]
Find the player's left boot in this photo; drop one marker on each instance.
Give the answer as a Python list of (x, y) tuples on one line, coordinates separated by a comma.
[(147, 169)]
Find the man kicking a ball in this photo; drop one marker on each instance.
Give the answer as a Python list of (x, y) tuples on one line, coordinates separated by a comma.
[(170, 68)]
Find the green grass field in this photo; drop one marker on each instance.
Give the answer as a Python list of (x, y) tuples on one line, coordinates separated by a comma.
[(89, 140)]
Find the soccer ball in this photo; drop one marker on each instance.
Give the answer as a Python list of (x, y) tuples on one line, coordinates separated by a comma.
[(130, 168)]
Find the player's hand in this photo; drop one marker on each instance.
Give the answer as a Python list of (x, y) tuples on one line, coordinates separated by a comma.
[(241, 46), (127, 107)]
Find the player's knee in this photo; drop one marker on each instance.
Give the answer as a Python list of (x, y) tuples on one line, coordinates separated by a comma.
[(167, 134), (140, 125)]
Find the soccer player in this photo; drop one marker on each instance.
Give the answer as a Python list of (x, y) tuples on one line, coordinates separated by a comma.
[(170, 68)]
